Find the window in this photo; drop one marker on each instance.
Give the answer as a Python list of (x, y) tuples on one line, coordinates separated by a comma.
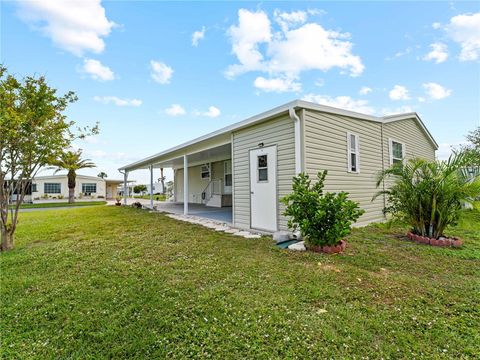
[(205, 171), (228, 172), (52, 188), (397, 152), (34, 188), (353, 153), (262, 166), (89, 188)]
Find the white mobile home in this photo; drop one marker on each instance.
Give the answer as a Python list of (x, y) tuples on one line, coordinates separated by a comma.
[(250, 165), (55, 187)]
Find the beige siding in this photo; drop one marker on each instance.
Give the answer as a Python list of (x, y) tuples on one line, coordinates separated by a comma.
[(63, 181), (326, 149), (196, 184), (407, 132), (279, 132)]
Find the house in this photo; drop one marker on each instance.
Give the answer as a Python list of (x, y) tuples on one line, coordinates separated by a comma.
[(157, 188), (248, 166), (55, 187)]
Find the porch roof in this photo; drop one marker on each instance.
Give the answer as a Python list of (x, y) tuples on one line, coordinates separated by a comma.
[(214, 141)]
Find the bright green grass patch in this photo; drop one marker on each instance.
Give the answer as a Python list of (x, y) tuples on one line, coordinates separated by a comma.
[(115, 282), (61, 204), (160, 197)]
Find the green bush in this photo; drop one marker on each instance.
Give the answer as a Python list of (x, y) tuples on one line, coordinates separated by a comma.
[(322, 218)]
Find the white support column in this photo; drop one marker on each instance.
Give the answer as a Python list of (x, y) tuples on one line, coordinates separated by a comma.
[(185, 184), (151, 187), (125, 189)]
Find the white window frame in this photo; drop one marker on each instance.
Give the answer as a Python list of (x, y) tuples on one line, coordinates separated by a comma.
[(85, 185), (390, 149), (355, 151), (49, 185), (209, 167)]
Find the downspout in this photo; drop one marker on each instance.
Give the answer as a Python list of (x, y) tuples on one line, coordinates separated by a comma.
[(298, 140), (383, 167)]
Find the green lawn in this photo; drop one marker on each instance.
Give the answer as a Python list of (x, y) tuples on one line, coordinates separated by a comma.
[(160, 197), (62, 204), (116, 282)]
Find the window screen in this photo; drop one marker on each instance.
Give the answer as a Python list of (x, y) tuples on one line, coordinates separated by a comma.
[(88, 188)]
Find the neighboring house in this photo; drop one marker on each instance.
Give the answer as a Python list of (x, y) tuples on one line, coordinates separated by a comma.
[(157, 188), (56, 187), (250, 165)]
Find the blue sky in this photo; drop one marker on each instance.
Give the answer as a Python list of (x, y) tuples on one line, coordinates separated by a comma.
[(156, 74)]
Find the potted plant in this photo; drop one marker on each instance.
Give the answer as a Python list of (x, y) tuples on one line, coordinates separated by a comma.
[(118, 201), (324, 219)]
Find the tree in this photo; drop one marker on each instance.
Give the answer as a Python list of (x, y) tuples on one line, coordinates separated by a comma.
[(71, 161), (33, 130), (428, 195), (137, 189), (102, 175), (472, 147)]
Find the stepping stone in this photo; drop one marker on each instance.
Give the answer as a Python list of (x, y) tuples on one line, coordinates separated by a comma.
[(242, 233), (222, 228), (232, 231), (252, 236), (300, 246)]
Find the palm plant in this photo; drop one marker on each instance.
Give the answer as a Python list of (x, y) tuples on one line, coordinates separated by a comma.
[(429, 195), (71, 161)]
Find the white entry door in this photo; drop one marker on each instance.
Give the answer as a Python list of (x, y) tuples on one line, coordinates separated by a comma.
[(263, 188)]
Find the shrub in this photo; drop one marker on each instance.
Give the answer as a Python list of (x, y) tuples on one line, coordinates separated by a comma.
[(137, 205), (428, 195), (323, 218), (60, 197)]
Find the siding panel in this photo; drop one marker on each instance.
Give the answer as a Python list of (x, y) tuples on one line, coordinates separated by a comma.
[(279, 132)]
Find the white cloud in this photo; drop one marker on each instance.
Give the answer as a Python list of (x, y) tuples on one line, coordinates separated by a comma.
[(77, 26), (117, 101), (436, 91), (253, 29), (298, 46), (436, 25), (285, 20), (160, 72), (341, 102), (278, 85), (97, 70), (399, 92), (365, 90), (398, 110), (421, 99), (212, 112), (197, 36), (175, 110), (444, 151), (439, 53), (465, 30)]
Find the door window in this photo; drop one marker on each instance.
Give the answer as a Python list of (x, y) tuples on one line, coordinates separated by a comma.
[(262, 161)]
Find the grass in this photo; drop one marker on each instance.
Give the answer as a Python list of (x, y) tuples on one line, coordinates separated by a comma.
[(116, 282), (61, 204), (159, 197)]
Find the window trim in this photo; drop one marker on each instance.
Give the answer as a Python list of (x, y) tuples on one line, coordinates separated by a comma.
[(390, 149), (89, 192), (262, 168), (50, 183), (349, 152), (208, 165), (34, 187)]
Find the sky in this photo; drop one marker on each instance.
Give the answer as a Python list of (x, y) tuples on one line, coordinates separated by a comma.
[(156, 74)]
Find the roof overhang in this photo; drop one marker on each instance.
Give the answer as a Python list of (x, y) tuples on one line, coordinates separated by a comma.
[(170, 157)]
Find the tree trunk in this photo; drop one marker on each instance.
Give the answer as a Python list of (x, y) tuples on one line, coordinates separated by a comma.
[(71, 195), (162, 179), (7, 240)]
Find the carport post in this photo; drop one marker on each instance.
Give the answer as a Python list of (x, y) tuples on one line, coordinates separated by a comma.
[(185, 184), (151, 187), (125, 190)]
